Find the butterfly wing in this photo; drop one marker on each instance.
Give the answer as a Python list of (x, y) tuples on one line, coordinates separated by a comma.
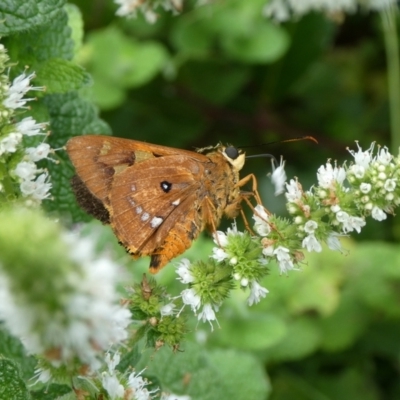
[(156, 200), (149, 193)]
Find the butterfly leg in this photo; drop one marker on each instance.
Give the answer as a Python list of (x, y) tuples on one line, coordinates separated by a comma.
[(245, 180)]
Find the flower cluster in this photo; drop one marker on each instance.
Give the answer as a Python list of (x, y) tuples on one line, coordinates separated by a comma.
[(22, 177), (283, 10), (337, 205), (146, 7), (63, 305)]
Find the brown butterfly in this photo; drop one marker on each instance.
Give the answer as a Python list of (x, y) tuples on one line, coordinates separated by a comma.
[(157, 199)]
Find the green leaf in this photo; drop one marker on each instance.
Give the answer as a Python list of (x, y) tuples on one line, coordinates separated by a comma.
[(21, 15), (336, 332), (70, 116), (130, 359), (75, 22), (207, 375), (11, 384), (255, 332), (301, 339), (192, 37), (52, 40), (61, 76), (119, 62), (11, 347), (53, 392), (376, 278), (249, 381), (265, 44)]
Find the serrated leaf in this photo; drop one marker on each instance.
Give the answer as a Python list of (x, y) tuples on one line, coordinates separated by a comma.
[(11, 347), (70, 115), (61, 76), (52, 40), (75, 22), (11, 384), (21, 15)]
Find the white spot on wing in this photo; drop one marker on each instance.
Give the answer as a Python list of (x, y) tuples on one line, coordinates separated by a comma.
[(133, 188), (139, 210), (145, 216), (156, 222), (131, 202), (176, 202)]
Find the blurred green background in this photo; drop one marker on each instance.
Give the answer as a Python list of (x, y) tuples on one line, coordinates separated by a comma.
[(225, 73)]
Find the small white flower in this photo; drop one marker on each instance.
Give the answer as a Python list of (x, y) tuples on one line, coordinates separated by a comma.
[(256, 293), (26, 170), (363, 158), (327, 175), (284, 260), (207, 314), (29, 127), (168, 309), (112, 361), (365, 188), (18, 89), (333, 242), (183, 270), (358, 171), (113, 387), (261, 221), (383, 156), (390, 185), (293, 191), (219, 254), (342, 216), (38, 153), (311, 243), (278, 177), (378, 214), (310, 226), (9, 143), (191, 298), (38, 189), (356, 223), (268, 251), (220, 238), (136, 382)]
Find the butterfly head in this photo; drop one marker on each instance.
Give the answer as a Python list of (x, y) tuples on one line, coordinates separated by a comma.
[(234, 156)]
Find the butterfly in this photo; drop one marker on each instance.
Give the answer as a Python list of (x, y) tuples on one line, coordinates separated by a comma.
[(157, 199)]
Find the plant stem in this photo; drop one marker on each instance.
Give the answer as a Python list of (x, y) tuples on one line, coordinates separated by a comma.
[(388, 16)]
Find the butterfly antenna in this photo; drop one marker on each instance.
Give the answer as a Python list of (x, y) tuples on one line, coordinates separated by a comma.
[(284, 141)]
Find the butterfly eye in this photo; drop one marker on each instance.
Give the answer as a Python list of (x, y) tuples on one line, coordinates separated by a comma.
[(232, 152)]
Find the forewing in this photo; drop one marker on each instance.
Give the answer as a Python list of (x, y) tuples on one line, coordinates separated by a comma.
[(148, 199), (97, 159)]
